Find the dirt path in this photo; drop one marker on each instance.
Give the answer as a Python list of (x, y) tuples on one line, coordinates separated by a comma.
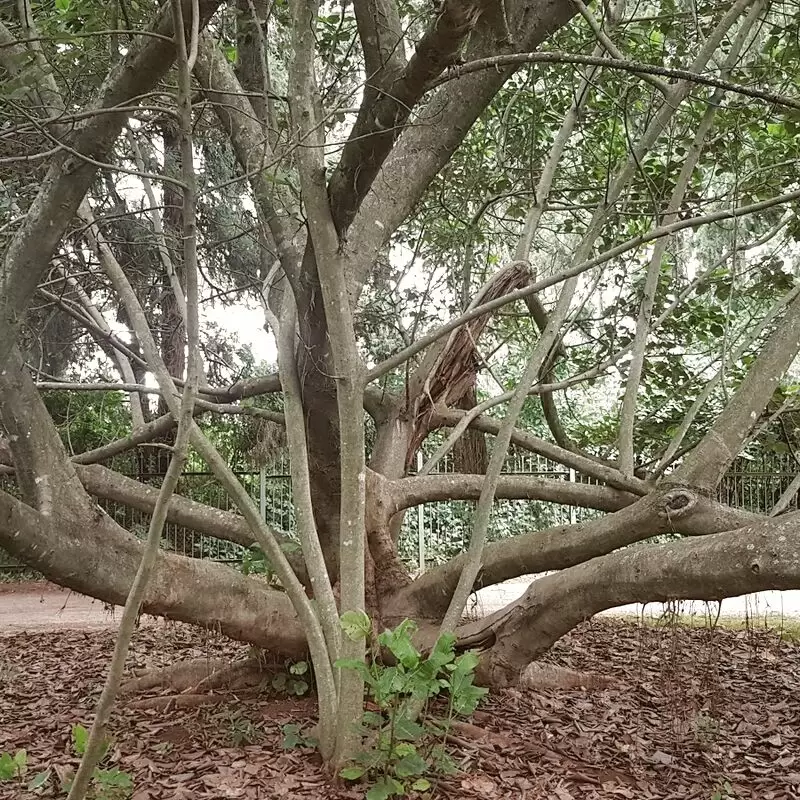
[(43, 606)]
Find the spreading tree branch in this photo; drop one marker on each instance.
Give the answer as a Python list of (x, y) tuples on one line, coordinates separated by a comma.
[(69, 178), (388, 103)]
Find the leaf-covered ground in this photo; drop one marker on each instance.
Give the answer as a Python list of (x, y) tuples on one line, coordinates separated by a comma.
[(693, 713)]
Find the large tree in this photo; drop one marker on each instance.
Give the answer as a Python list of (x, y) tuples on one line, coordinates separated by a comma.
[(577, 205)]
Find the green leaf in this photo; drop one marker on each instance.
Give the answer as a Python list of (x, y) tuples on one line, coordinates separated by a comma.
[(372, 719), (384, 788), (443, 650), (80, 737), (113, 778), (300, 668), (231, 53), (400, 645), (299, 688), (466, 663), (21, 762), (406, 730), (63, 5), (351, 773), (411, 764), (421, 785), (467, 699), (39, 780), (356, 624), (8, 769)]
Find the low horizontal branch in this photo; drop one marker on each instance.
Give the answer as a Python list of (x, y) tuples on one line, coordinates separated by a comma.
[(226, 525), (95, 557), (752, 559), (415, 490), (678, 510)]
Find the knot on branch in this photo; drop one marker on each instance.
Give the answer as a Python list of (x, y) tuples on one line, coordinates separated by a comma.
[(677, 503)]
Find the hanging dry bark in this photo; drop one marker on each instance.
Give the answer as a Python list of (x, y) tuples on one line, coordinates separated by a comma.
[(449, 373)]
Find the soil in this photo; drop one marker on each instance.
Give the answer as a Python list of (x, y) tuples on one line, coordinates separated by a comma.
[(691, 713), (33, 605)]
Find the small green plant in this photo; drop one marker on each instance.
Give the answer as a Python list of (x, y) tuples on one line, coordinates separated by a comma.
[(242, 730), (292, 681), (293, 736), (706, 729), (255, 562), (111, 784), (107, 783), (723, 791), (14, 768), (406, 751)]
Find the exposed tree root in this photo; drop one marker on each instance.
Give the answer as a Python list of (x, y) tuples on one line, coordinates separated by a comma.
[(239, 675), (178, 677), (538, 675), (178, 701), (194, 682)]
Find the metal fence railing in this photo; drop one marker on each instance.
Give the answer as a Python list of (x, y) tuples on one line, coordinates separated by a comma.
[(432, 532)]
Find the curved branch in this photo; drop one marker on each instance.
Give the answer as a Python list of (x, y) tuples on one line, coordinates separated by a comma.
[(69, 178), (386, 108), (609, 255), (381, 34), (441, 125), (98, 558), (584, 465), (757, 558), (636, 67), (416, 490), (675, 511), (107, 484), (709, 460), (250, 145)]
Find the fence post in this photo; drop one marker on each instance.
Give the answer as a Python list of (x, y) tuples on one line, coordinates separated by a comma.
[(262, 491), (573, 516), (420, 523)]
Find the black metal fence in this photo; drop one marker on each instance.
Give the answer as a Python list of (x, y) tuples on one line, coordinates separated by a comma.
[(435, 531)]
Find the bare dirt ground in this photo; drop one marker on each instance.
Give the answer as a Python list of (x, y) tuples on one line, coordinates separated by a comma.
[(693, 714), (37, 606)]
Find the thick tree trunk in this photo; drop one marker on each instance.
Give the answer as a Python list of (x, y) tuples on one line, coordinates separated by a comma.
[(563, 546)]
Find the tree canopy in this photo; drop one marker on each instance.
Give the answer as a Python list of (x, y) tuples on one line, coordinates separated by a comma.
[(569, 228)]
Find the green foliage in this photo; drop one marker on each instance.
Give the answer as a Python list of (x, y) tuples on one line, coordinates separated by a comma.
[(107, 783), (87, 420), (405, 750), (15, 766), (723, 791), (254, 561), (242, 731), (356, 624), (111, 784), (292, 681), (293, 737)]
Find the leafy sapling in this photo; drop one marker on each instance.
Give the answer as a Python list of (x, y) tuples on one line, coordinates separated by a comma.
[(405, 752)]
